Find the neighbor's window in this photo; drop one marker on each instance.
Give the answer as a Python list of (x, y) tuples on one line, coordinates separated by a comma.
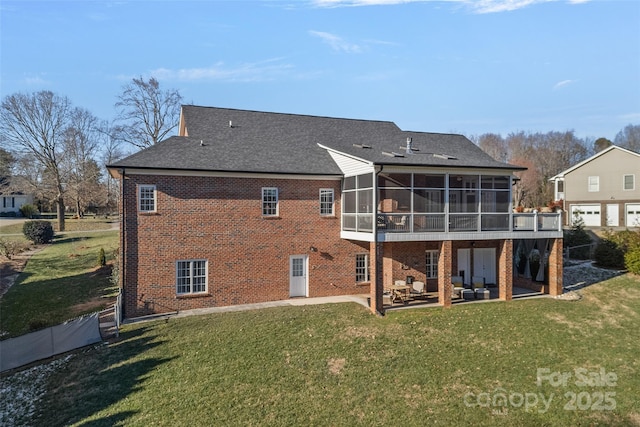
[(269, 201), (191, 276), (629, 182), (432, 264), (326, 201), (362, 268), (594, 183), (147, 198)]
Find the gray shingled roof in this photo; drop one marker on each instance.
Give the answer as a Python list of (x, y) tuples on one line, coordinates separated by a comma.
[(290, 143)]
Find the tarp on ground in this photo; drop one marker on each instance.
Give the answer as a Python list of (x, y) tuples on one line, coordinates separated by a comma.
[(19, 351)]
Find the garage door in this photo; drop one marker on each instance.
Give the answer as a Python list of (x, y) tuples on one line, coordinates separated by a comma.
[(633, 215), (590, 214)]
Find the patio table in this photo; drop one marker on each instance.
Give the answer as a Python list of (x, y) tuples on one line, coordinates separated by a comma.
[(401, 292)]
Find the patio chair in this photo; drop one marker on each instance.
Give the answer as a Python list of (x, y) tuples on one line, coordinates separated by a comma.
[(458, 286), (479, 290), (477, 282), (387, 298), (418, 289)]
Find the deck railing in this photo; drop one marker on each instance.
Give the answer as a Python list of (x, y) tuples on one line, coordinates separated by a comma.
[(454, 222)]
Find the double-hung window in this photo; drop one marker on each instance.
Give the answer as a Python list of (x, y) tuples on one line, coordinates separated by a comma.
[(326, 201), (147, 198), (269, 201), (432, 264), (362, 268), (629, 182), (191, 276), (594, 184)]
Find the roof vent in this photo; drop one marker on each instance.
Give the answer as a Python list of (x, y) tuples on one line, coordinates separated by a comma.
[(230, 123), (201, 143), (392, 154), (362, 145), (409, 148), (445, 156)]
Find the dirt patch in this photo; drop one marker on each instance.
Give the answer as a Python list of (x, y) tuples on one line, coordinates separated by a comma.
[(360, 332), (336, 365), (91, 305), (562, 319), (11, 268)]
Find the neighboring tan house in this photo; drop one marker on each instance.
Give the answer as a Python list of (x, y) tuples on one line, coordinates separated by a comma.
[(247, 207), (10, 203), (602, 189)]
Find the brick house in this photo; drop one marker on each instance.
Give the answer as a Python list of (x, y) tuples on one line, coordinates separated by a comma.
[(247, 206), (602, 189)]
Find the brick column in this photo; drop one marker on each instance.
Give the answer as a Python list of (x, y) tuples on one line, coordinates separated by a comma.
[(387, 263), (375, 278), (445, 288), (505, 270), (555, 268)]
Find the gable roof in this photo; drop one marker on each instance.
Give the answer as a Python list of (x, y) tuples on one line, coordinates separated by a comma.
[(222, 139), (595, 156)]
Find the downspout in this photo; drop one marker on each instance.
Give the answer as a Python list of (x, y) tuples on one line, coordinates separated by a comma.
[(378, 286), (123, 244)]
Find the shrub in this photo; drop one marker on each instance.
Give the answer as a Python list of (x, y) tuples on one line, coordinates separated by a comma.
[(9, 248), (632, 261), (115, 270), (29, 211), (102, 258), (609, 254), (626, 240), (577, 236), (38, 231)]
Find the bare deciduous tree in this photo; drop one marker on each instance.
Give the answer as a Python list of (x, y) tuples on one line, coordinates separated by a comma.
[(7, 161), (82, 172), (112, 151), (35, 124), (629, 138), (146, 113), (494, 145)]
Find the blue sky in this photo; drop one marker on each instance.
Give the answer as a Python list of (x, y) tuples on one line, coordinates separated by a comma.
[(461, 66)]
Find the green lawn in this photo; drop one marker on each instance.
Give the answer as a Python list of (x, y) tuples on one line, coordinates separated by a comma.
[(339, 365), (60, 282), (84, 224)]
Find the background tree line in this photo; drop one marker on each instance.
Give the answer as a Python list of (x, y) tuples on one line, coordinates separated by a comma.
[(545, 155), (57, 152)]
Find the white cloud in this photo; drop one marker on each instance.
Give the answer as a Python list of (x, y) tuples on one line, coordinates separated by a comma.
[(562, 84), (477, 6), (35, 80), (249, 72), (337, 43), (631, 117)]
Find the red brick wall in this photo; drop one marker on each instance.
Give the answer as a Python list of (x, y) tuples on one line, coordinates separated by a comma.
[(555, 268), (220, 220)]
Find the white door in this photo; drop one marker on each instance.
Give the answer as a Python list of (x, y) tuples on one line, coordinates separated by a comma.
[(298, 275), (590, 214), (484, 264), (633, 215), (464, 265), (612, 215)]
